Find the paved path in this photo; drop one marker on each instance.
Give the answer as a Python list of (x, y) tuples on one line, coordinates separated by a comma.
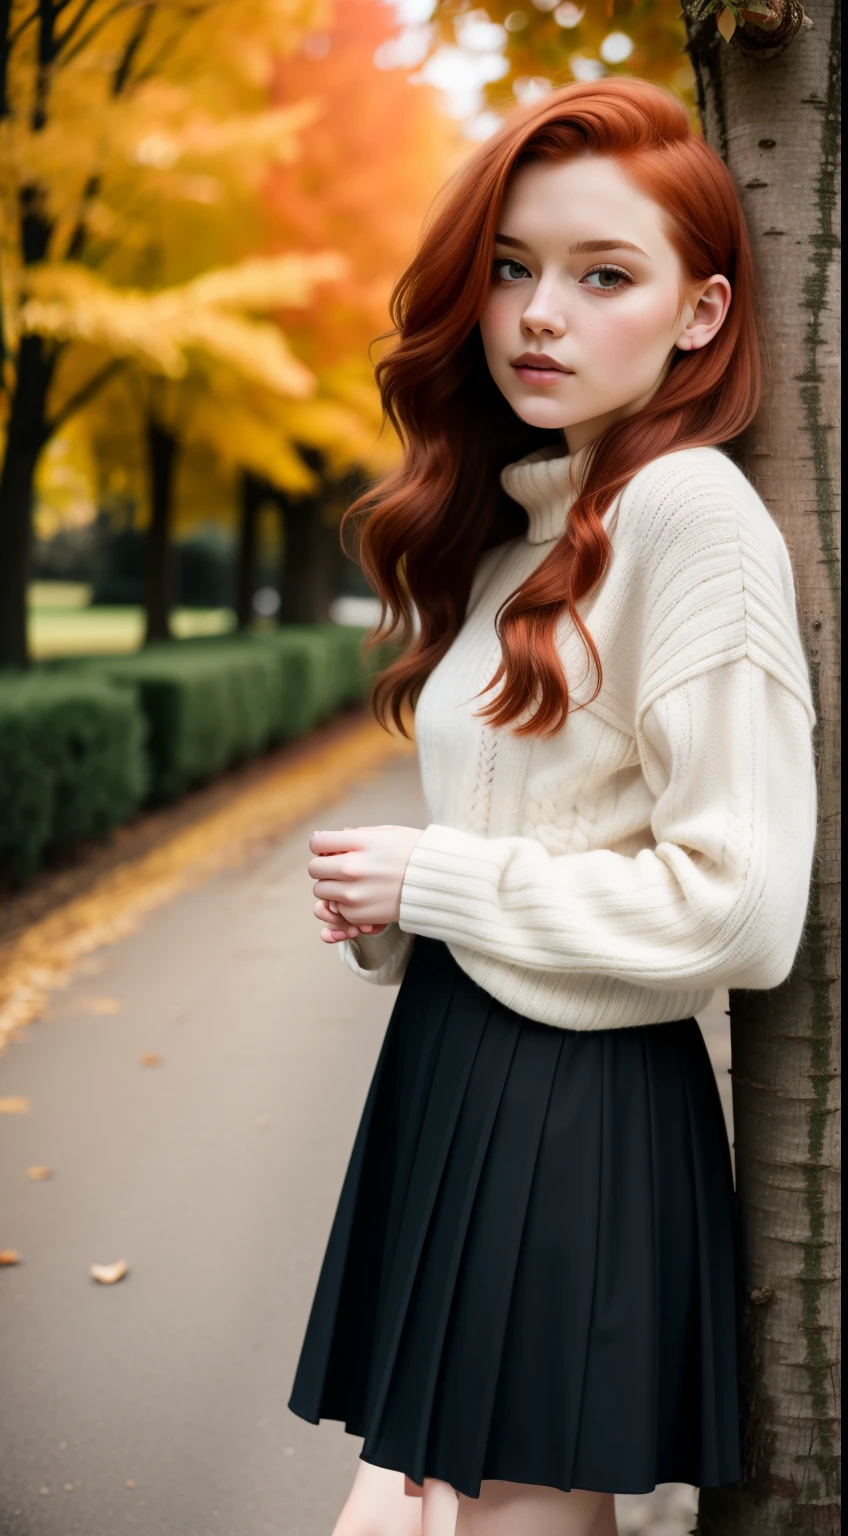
[(157, 1406)]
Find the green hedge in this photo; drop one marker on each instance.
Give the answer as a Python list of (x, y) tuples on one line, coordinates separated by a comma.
[(322, 668), (83, 740), (213, 700), (72, 764), (205, 709)]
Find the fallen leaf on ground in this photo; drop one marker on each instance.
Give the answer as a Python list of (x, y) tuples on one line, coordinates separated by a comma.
[(9, 1256), (150, 1059), (37, 1172), (107, 1274), (14, 1104)]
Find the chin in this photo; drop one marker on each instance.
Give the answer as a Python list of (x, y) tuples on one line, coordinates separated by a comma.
[(542, 413)]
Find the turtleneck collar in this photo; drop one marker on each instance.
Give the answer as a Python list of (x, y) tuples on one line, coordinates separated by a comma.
[(545, 484)]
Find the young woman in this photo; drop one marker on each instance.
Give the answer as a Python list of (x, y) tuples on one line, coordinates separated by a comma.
[(529, 1299)]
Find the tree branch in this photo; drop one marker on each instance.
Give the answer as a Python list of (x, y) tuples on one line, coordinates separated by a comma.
[(46, 55), (77, 21), (96, 26), (172, 42), (6, 42), (120, 80), (124, 70), (12, 37), (85, 393)]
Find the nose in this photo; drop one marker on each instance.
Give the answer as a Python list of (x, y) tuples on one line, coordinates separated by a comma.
[(545, 311)]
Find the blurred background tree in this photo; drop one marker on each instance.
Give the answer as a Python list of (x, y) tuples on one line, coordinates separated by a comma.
[(148, 276), (518, 52)]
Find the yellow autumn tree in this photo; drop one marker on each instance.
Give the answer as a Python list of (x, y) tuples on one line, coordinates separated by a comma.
[(135, 140), (371, 161), (371, 156)]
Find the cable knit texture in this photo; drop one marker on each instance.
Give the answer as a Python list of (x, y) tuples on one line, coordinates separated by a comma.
[(661, 843)]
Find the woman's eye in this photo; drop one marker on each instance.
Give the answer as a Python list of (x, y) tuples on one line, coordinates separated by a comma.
[(507, 262), (609, 279)]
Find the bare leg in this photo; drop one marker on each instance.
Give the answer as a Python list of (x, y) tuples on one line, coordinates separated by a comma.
[(378, 1506), (440, 1507), (505, 1509)]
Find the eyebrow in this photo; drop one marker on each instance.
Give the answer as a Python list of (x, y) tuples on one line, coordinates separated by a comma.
[(582, 248)]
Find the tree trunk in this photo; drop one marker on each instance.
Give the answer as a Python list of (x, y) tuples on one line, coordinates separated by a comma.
[(25, 438), (160, 565), (775, 122), (310, 564), (252, 492)]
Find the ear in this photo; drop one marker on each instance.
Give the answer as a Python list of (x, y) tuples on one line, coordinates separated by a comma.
[(705, 313)]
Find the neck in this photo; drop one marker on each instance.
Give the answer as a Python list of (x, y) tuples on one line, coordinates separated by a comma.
[(546, 484)]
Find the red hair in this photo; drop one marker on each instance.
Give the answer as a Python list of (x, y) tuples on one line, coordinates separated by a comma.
[(423, 528)]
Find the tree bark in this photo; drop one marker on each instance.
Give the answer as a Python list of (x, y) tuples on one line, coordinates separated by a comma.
[(160, 564), (24, 442), (775, 123), (26, 433), (310, 564), (28, 429), (252, 492)]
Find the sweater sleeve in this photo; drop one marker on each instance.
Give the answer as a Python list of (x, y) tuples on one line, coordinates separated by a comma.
[(381, 958), (721, 897)]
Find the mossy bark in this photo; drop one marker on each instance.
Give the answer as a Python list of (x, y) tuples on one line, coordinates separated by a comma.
[(775, 123)]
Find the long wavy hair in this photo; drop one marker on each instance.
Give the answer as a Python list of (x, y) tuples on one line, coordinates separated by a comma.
[(420, 532)]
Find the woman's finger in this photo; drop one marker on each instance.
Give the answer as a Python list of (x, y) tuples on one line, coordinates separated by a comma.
[(335, 921), (328, 912), (334, 841)]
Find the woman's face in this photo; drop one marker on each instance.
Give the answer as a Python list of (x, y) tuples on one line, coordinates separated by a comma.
[(585, 274)]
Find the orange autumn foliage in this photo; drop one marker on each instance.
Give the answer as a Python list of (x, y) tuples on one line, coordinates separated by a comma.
[(370, 163)]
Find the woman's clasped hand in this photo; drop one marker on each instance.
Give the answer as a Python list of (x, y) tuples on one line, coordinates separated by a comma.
[(358, 874)]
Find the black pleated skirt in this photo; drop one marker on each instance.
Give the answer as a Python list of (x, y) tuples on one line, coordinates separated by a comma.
[(532, 1270)]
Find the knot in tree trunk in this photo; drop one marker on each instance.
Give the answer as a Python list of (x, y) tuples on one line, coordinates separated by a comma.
[(762, 37)]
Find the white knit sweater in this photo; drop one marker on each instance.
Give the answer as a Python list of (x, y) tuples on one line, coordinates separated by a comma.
[(660, 844)]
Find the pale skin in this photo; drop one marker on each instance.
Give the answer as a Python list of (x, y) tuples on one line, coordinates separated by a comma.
[(585, 272)]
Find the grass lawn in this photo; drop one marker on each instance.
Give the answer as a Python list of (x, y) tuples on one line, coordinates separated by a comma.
[(62, 624)]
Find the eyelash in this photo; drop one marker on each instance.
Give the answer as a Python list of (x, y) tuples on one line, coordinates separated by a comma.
[(509, 261)]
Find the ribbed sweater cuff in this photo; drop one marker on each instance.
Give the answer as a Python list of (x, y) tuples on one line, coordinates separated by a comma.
[(380, 958), (450, 877)]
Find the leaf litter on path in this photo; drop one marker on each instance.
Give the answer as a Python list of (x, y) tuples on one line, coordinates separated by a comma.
[(45, 955)]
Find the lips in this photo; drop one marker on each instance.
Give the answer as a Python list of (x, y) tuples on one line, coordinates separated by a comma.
[(541, 361)]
